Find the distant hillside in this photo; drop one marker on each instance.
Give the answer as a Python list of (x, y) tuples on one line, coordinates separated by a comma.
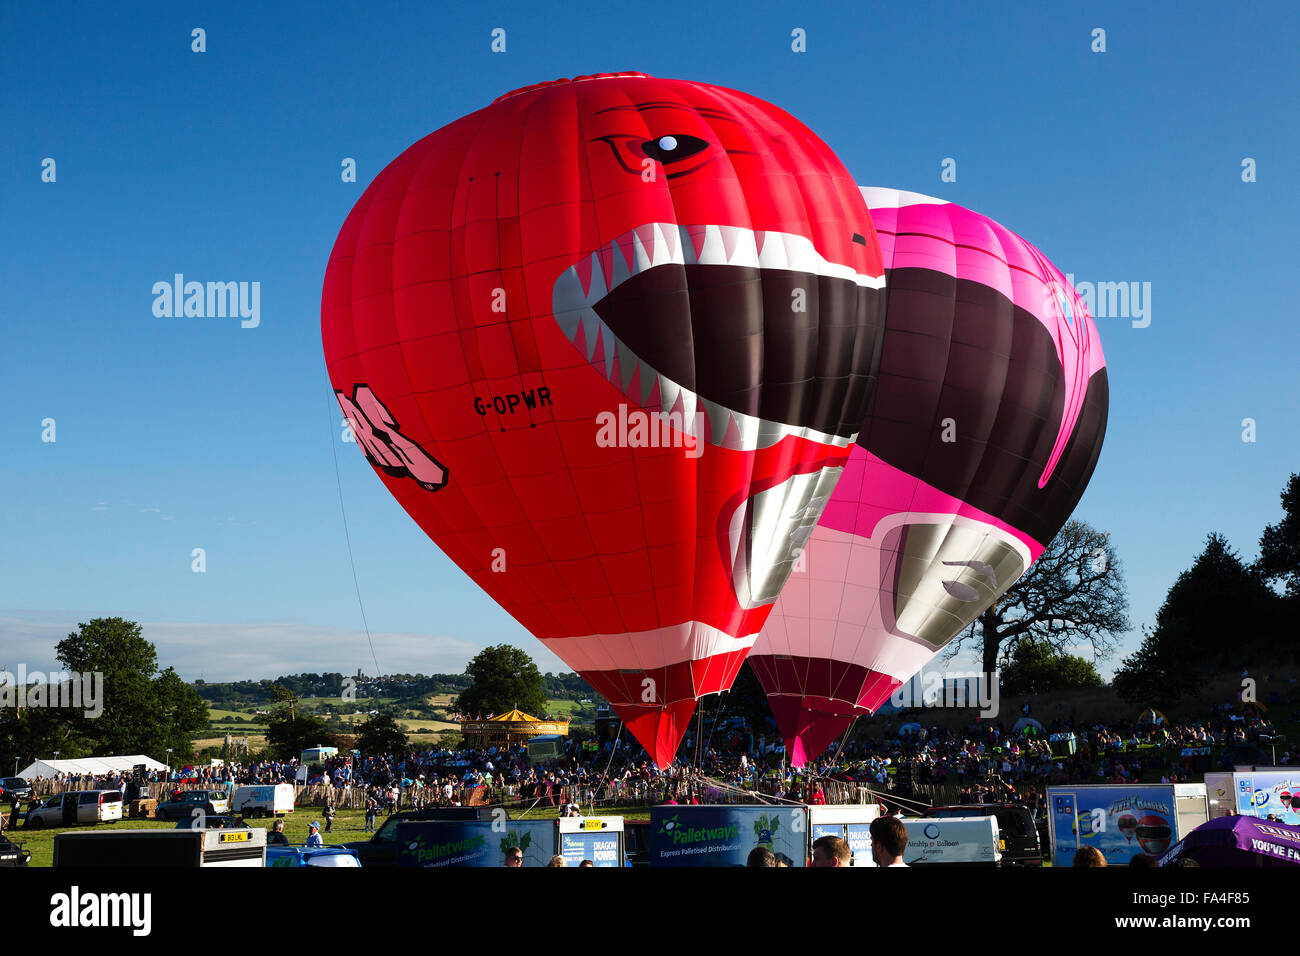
[(401, 687)]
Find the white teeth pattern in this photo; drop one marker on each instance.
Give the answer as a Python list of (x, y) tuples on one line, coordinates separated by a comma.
[(627, 365), (598, 288), (658, 244), (668, 391), (618, 263)]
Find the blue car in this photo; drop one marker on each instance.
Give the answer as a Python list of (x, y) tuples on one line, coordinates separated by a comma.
[(290, 855)]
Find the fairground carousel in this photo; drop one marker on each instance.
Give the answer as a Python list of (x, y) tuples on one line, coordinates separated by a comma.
[(508, 729)]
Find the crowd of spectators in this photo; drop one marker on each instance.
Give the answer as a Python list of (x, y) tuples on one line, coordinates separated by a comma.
[(984, 762)]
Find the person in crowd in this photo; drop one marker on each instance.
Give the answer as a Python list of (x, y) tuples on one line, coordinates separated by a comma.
[(830, 851), (556, 860), (514, 857), (276, 836), (761, 856), (313, 835), (1088, 856), (372, 810), (888, 841)]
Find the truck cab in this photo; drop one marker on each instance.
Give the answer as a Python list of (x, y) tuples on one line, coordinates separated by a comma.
[(381, 849)]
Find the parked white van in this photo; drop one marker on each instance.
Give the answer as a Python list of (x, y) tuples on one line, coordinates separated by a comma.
[(76, 806), (263, 801)]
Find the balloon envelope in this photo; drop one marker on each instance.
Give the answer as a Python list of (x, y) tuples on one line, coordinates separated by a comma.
[(608, 341), (980, 438)]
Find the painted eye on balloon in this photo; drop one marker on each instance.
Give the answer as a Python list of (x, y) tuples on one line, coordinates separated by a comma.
[(671, 148)]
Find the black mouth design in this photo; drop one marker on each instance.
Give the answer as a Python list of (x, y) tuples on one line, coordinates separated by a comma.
[(753, 329)]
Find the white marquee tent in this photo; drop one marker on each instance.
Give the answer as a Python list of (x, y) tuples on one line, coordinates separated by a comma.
[(85, 765)]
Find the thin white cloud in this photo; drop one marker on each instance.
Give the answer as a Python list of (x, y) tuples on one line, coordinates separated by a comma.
[(257, 651)]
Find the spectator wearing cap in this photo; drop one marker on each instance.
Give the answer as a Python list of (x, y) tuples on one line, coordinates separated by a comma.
[(313, 838)]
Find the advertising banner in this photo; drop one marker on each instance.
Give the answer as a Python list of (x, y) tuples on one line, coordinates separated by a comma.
[(851, 823), (725, 835), (598, 839), (1263, 792), (474, 842), (939, 840), (1121, 821)]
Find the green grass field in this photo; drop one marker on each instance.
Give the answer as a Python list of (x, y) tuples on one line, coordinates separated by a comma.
[(348, 825)]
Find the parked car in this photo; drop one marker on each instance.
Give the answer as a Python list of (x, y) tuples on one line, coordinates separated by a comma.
[(74, 807), (331, 856), (1017, 829), (11, 787), (209, 801)]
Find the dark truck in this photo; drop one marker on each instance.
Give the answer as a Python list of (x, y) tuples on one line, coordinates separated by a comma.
[(1016, 827), (381, 849), (211, 802)]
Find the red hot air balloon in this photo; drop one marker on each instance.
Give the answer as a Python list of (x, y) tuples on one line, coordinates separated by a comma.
[(608, 341), (981, 436)]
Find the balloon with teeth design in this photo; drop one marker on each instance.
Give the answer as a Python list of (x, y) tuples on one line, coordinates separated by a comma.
[(609, 341), (983, 430)]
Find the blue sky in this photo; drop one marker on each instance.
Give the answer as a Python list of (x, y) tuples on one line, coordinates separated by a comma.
[(175, 434)]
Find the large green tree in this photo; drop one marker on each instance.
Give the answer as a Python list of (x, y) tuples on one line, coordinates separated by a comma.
[(1035, 667), (132, 715), (287, 736), (290, 731), (1279, 546), (1073, 594), (141, 711), (503, 677), (183, 713), (1219, 614), (144, 711), (381, 734)]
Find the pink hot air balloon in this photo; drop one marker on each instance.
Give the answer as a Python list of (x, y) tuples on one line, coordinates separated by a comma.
[(981, 436)]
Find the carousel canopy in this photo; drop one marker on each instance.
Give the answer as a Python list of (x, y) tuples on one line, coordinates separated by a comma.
[(512, 725)]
